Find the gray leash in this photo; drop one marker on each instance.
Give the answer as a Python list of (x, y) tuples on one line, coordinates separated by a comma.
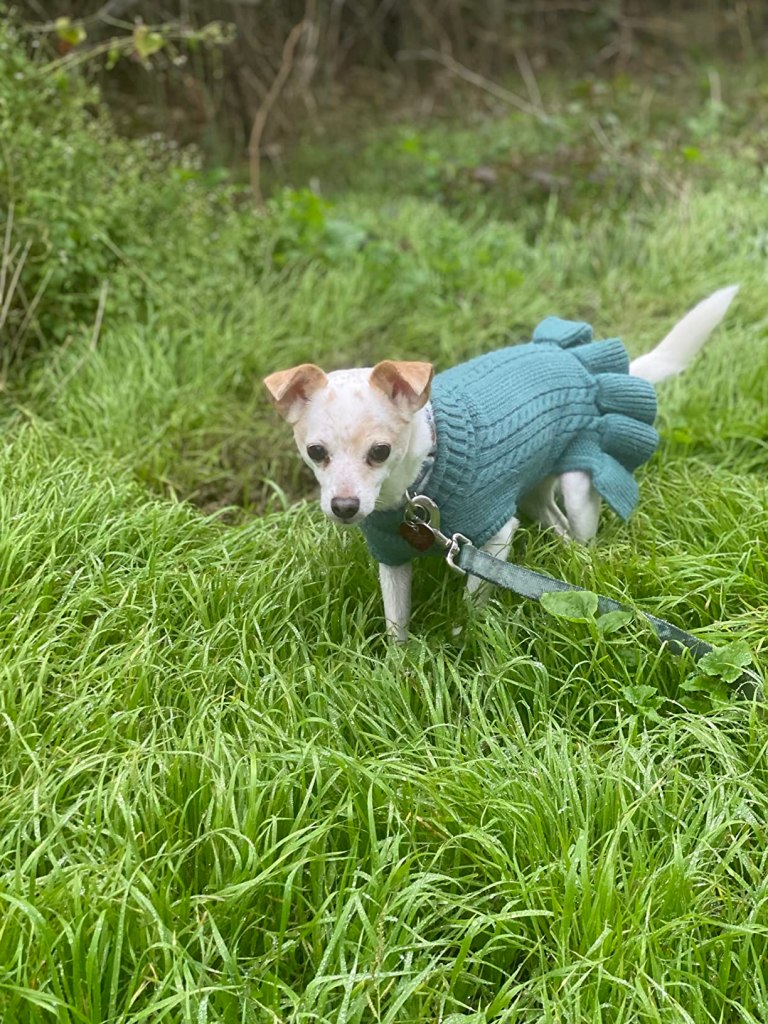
[(421, 527)]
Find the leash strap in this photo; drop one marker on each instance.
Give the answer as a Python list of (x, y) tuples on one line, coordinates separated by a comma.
[(422, 514), (528, 583)]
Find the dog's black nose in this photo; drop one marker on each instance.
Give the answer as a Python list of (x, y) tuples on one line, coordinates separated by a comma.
[(345, 508)]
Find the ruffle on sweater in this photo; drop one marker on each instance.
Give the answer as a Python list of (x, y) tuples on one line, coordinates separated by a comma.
[(622, 437)]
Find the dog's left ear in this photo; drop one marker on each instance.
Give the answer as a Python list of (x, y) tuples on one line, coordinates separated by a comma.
[(404, 382), (291, 389)]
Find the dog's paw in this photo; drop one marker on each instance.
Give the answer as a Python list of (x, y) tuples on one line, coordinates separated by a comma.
[(397, 635)]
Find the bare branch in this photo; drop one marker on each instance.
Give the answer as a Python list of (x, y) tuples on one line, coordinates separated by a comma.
[(276, 87), (528, 76), (475, 79)]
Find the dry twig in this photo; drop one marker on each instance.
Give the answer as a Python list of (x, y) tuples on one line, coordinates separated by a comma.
[(475, 79)]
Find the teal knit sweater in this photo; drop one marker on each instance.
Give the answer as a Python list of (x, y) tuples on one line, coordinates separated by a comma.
[(506, 420)]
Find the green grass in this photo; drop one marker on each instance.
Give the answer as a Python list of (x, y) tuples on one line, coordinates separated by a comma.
[(226, 799)]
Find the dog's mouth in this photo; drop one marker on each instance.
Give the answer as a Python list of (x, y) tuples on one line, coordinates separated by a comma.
[(344, 523)]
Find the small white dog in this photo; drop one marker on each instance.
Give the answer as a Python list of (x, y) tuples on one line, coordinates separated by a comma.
[(563, 419)]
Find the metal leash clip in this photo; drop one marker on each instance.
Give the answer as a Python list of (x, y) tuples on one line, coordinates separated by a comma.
[(421, 518)]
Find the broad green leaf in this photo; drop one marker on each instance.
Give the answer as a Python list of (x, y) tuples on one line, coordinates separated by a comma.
[(573, 605), (706, 684), (642, 696), (644, 699), (613, 621), (727, 663)]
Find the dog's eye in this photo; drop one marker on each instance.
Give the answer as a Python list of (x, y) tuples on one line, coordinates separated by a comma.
[(317, 453), (379, 453)]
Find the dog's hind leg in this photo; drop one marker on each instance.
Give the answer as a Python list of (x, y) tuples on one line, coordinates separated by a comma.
[(582, 504), (539, 504)]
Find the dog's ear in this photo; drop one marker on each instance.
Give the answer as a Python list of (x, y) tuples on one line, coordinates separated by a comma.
[(406, 383), (290, 389)]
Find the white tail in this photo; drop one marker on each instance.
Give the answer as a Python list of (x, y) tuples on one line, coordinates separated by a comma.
[(672, 355)]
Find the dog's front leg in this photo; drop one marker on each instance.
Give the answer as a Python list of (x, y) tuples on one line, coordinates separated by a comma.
[(396, 591)]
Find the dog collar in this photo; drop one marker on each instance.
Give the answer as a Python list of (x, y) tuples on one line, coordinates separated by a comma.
[(410, 531), (422, 479)]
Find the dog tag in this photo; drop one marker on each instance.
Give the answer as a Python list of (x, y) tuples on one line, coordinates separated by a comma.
[(418, 535)]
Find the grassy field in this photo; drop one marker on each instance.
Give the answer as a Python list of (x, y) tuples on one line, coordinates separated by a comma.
[(224, 797)]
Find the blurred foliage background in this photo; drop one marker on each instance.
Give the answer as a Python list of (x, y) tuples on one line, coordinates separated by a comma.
[(207, 71)]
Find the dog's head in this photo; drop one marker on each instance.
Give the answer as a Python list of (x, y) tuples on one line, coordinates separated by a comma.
[(353, 428)]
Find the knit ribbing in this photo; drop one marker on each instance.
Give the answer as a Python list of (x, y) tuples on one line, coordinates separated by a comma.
[(506, 420)]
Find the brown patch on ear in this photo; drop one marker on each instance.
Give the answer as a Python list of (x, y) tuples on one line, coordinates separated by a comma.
[(403, 381), (290, 389)]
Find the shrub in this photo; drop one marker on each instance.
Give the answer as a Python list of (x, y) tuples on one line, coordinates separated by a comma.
[(80, 206)]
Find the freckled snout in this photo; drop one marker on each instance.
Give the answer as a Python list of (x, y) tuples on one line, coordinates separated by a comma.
[(345, 508)]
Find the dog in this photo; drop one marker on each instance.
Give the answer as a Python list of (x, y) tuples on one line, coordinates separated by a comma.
[(551, 428)]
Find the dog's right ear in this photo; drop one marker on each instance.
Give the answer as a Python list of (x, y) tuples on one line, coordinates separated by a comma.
[(291, 389)]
